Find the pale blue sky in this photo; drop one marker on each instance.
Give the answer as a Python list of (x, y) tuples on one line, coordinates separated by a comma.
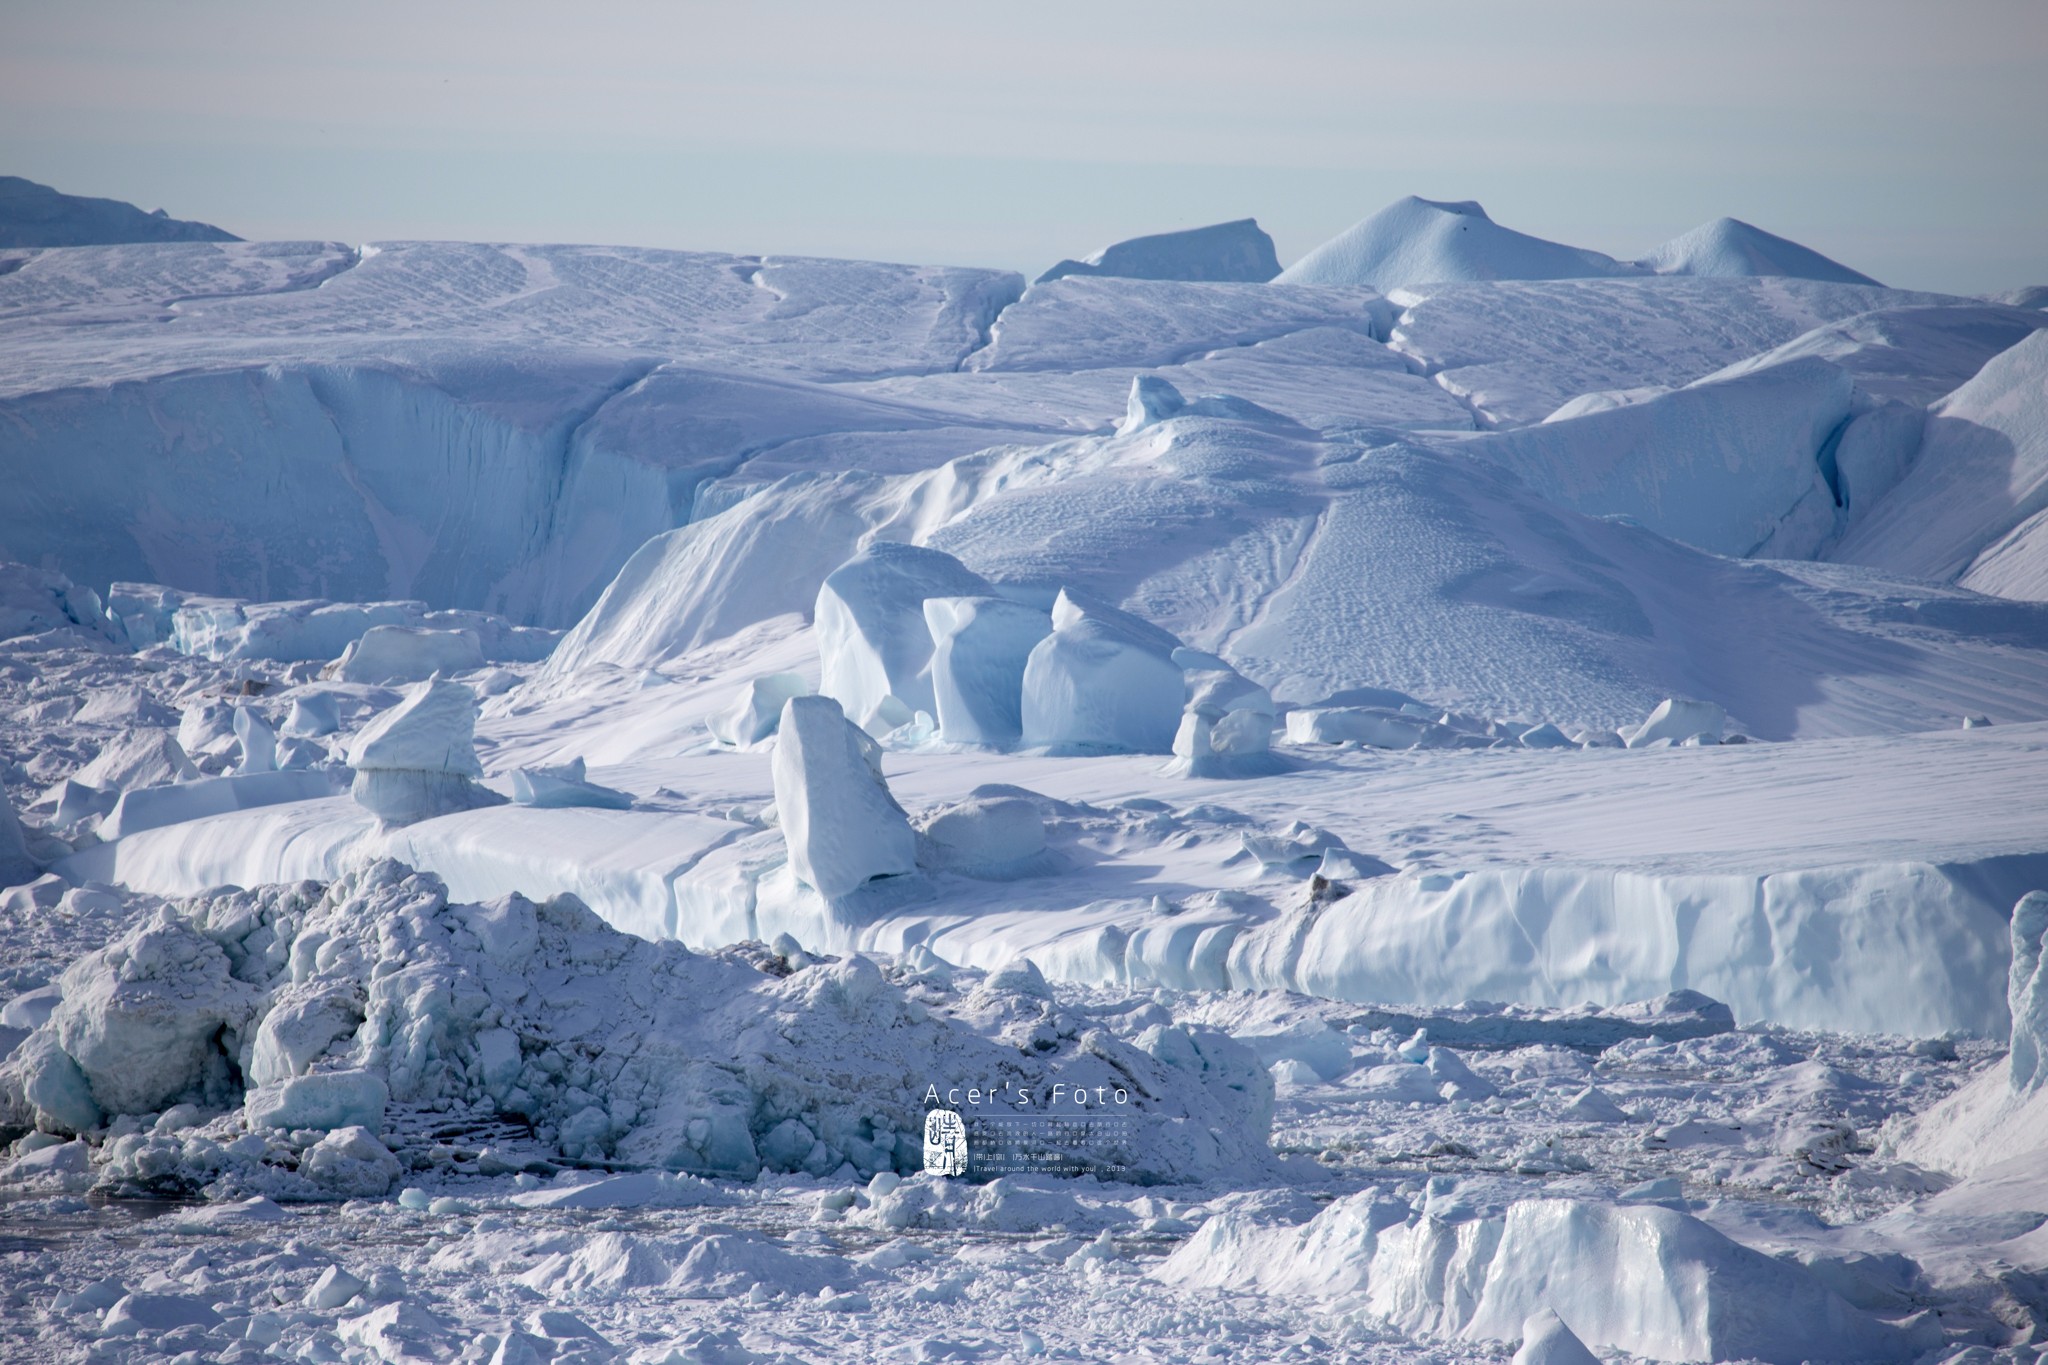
[(1909, 140)]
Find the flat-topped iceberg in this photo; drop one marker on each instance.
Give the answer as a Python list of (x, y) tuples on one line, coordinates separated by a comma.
[(419, 759)]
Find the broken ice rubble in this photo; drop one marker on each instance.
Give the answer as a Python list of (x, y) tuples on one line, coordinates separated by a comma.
[(319, 1018)]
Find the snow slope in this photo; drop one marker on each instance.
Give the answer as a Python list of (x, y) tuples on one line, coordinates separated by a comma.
[(1729, 246), (1913, 354), (1973, 509), (1320, 567), (33, 215), (1421, 241), (1731, 465), (1516, 352)]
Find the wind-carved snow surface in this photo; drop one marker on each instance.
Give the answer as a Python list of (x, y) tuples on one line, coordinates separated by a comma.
[(1525, 770)]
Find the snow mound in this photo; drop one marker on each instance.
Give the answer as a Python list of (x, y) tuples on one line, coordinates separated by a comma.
[(1637, 1278), (408, 654), (1973, 509), (563, 785), (1729, 246), (980, 647), (1676, 721), (874, 648), (615, 1049), (1423, 241), (1104, 680), (37, 215), (842, 827), (1378, 727), (992, 837), (1238, 250), (123, 706)]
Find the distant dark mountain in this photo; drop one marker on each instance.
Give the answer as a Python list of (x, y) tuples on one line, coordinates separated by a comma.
[(36, 215)]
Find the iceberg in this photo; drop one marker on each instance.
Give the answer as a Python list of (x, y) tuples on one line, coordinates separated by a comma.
[(562, 785), (757, 710), (1238, 250), (406, 654), (313, 715), (842, 827), (1423, 241), (874, 648), (258, 741), (980, 648), (1642, 1279), (1729, 246), (418, 759), (34, 600), (1226, 728), (1102, 680), (156, 807), (1676, 721)]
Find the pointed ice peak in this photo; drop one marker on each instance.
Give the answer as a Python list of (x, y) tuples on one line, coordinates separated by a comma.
[(1430, 241)]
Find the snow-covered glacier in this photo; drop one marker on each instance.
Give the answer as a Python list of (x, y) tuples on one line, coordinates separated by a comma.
[(1468, 797)]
